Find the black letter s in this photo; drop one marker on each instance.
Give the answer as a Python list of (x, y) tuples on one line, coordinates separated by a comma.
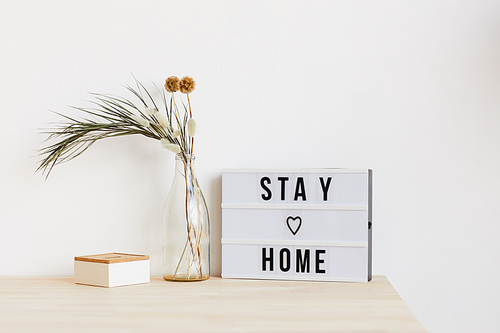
[(263, 182)]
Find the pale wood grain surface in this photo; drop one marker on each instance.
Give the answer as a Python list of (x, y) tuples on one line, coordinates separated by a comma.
[(112, 258), (29, 304)]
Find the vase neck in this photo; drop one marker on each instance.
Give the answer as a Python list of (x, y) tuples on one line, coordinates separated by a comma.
[(185, 158), (184, 165)]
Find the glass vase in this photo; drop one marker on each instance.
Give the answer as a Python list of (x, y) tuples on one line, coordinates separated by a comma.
[(186, 229)]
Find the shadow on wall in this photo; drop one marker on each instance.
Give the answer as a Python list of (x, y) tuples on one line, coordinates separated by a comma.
[(215, 225)]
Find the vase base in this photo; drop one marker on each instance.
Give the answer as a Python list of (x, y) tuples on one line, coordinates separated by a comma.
[(185, 278)]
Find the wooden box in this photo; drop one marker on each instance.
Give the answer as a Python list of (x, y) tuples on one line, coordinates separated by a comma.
[(112, 269), (312, 224)]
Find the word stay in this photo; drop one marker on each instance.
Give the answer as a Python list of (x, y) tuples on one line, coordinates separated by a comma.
[(300, 188)]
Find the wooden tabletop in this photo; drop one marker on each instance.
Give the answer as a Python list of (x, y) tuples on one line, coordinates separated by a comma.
[(36, 304)]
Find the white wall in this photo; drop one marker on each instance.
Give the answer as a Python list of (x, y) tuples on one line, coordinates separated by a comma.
[(409, 89)]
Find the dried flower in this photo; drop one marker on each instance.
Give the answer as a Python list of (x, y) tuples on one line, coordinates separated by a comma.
[(117, 116), (170, 146), (140, 120), (191, 127), (187, 85), (172, 84), (161, 119)]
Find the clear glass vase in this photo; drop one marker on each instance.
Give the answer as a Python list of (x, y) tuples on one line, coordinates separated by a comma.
[(186, 227)]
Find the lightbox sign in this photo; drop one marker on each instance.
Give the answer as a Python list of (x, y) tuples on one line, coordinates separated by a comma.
[(312, 224)]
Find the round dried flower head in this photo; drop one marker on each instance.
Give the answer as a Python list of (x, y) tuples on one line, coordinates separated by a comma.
[(172, 84), (187, 85)]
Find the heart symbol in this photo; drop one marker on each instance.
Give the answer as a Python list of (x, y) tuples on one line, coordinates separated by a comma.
[(294, 224)]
